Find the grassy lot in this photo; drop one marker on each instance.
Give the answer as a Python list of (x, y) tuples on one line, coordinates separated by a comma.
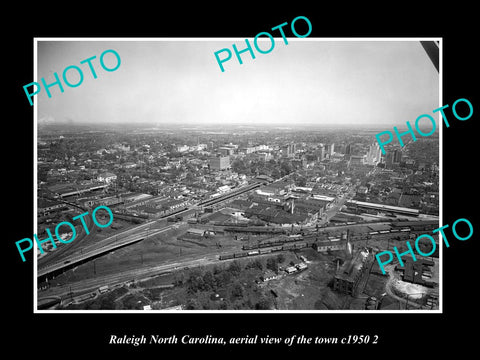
[(310, 289), (149, 252)]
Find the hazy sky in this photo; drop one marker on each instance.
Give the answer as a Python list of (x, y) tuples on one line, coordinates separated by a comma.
[(306, 81)]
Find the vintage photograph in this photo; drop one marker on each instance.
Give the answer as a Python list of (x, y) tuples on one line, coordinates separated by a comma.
[(165, 182)]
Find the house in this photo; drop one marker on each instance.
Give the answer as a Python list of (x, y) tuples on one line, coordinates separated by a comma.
[(301, 266), (129, 165), (106, 177), (291, 269), (268, 275)]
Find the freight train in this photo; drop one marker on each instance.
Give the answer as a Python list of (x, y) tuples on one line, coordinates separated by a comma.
[(285, 247), (275, 242), (255, 229)]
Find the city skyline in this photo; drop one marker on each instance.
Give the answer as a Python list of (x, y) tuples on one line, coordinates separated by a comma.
[(307, 82)]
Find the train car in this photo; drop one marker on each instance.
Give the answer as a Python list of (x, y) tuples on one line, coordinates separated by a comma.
[(295, 236), (225, 257), (249, 247), (277, 248), (269, 243), (373, 233), (288, 247), (279, 242), (240, 255), (384, 231), (253, 253), (300, 245), (405, 229), (265, 251)]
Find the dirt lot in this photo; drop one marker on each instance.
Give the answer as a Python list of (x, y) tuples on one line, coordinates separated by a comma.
[(310, 289)]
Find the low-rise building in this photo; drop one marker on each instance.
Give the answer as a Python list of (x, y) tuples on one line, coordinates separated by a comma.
[(106, 177), (414, 271), (268, 275), (325, 246), (291, 270), (196, 232), (301, 266), (45, 207)]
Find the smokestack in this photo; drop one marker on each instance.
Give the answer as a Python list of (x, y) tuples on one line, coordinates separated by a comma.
[(348, 246), (349, 250)]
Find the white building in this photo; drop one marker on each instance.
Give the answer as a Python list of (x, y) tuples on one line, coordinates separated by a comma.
[(106, 177)]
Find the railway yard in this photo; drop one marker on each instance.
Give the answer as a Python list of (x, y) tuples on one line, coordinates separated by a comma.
[(302, 279)]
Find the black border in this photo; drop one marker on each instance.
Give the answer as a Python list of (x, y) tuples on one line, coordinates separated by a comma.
[(62, 335)]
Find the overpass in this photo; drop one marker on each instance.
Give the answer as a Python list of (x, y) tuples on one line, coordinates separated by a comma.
[(112, 243), (50, 302)]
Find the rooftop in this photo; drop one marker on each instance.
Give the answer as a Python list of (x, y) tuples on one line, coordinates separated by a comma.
[(350, 268)]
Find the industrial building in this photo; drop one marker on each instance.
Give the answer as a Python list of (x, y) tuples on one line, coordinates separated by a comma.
[(416, 272), (349, 275), (324, 246), (360, 205)]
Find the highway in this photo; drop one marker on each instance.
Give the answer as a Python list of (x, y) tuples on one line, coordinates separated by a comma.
[(105, 246)]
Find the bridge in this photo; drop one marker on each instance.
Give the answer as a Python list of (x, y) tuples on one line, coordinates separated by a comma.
[(94, 251), (49, 302)]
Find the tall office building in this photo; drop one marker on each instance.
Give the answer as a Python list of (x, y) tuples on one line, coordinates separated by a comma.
[(329, 148), (389, 159), (348, 149), (219, 163), (397, 156), (320, 153), (289, 150), (374, 154)]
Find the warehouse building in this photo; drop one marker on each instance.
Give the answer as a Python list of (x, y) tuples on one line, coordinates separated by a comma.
[(351, 272)]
